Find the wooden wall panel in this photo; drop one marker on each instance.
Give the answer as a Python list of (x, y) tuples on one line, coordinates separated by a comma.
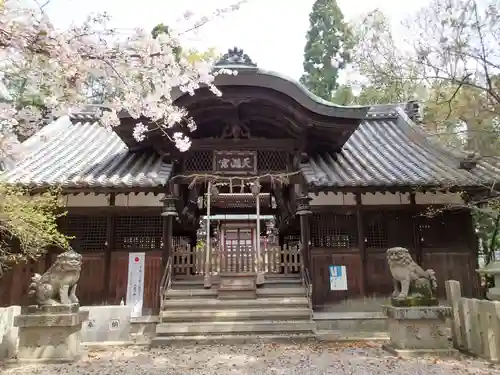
[(90, 287), (321, 259), (449, 265), (152, 280), (379, 279), (118, 277), (15, 283)]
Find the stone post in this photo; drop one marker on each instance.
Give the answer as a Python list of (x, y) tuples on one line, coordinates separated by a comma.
[(453, 295), (492, 269), (50, 333)]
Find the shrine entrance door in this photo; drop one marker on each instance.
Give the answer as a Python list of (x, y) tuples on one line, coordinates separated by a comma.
[(238, 250)]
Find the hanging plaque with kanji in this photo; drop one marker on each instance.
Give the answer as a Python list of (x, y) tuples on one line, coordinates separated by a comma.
[(235, 162)]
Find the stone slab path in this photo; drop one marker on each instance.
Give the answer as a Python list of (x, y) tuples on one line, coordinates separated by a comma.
[(263, 359)]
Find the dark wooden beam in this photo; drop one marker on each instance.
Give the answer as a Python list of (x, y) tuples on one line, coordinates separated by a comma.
[(388, 189), (107, 190), (110, 240), (113, 210), (259, 144), (361, 244)]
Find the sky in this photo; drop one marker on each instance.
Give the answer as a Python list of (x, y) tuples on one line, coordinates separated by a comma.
[(271, 32)]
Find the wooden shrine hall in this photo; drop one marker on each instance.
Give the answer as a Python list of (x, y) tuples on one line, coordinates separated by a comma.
[(277, 183)]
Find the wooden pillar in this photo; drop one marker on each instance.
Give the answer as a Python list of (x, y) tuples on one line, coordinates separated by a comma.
[(110, 240), (167, 235), (361, 244), (169, 212), (417, 234), (304, 211)]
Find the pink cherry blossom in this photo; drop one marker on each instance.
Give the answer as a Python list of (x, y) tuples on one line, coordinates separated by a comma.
[(46, 72)]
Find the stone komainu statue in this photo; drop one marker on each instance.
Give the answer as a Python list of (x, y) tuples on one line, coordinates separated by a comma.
[(410, 280), (57, 286)]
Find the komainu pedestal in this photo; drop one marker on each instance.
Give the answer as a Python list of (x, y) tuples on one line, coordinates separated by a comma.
[(51, 330), (416, 331), (417, 324), (50, 333)]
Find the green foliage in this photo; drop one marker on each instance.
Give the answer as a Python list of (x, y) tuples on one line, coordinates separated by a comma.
[(488, 232), (28, 225), (210, 55), (164, 29), (390, 79), (327, 48), (160, 29), (450, 63), (191, 54)]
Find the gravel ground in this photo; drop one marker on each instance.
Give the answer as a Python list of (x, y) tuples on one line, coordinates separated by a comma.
[(263, 359)]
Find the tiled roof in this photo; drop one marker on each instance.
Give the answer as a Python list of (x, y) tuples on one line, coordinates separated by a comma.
[(84, 154), (387, 149)]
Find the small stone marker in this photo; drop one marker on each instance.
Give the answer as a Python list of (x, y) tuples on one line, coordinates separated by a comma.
[(114, 324), (109, 324)]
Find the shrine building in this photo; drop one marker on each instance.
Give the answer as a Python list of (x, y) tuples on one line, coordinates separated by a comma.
[(278, 184)]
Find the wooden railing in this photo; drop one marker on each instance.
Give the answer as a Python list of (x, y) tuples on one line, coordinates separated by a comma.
[(191, 261), (284, 260), (166, 281)]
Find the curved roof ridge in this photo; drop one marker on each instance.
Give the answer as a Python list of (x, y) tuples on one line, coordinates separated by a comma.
[(235, 59), (256, 77)]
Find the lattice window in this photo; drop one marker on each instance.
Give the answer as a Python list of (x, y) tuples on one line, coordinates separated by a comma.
[(334, 230), (446, 229), (138, 232), (400, 230), (199, 161), (376, 233), (272, 160), (89, 232)]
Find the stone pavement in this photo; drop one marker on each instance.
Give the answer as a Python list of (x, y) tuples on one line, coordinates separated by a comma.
[(263, 359)]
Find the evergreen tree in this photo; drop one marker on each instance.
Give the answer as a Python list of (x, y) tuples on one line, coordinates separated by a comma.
[(327, 48)]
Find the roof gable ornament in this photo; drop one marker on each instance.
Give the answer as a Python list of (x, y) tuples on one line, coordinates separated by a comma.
[(236, 57), (469, 162)]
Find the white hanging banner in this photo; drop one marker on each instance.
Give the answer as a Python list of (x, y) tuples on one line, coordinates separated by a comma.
[(338, 278), (135, 283)]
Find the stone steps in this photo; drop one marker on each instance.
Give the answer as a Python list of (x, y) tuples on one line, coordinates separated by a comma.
[(235, 327), (231, 339), (191, 293), (291, 291), (211, 303), (297, 291), (270, 282), (278, 309), (241, 314)]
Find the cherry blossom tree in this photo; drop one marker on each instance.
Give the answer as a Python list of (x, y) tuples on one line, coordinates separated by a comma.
[(46, 73)]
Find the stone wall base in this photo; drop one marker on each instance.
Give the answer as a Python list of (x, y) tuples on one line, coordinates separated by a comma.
[(416, 353)]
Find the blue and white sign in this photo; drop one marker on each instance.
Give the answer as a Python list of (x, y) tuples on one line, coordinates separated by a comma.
[(338, 278)]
